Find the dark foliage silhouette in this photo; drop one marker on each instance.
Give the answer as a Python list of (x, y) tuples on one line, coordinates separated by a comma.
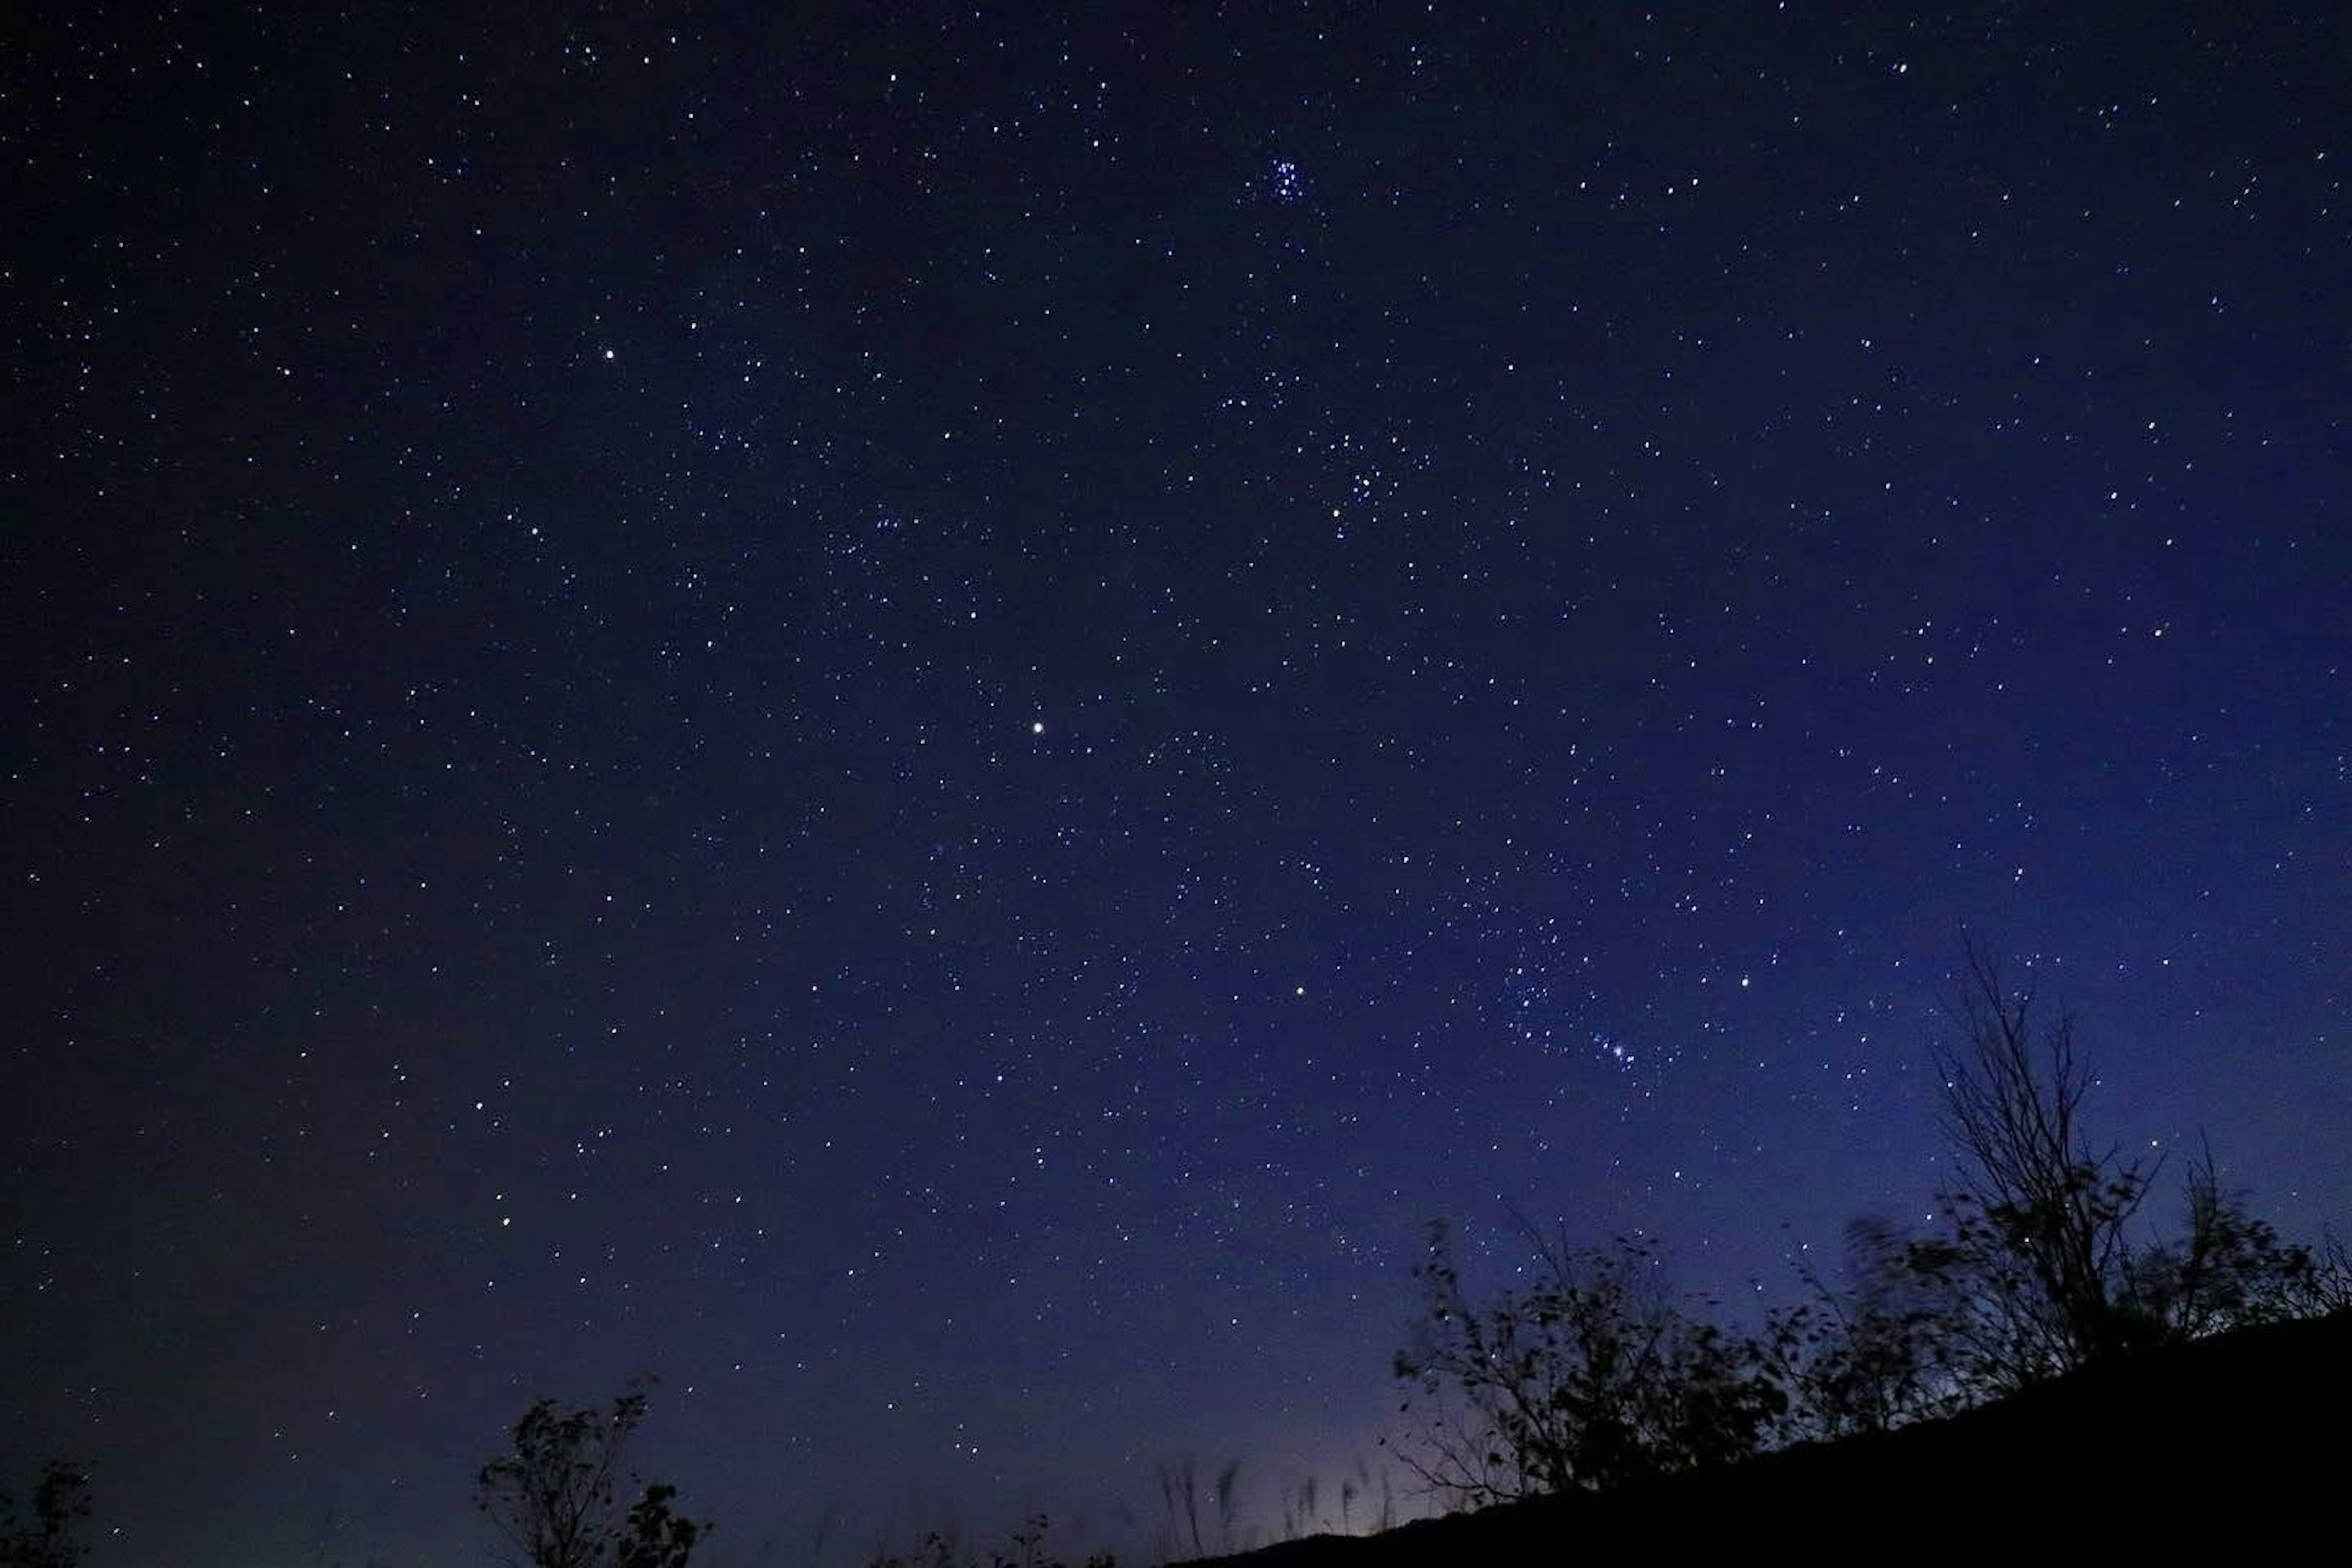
[(50, 1535), (2328, 1288), (555, 1496), (1027, 1549), (2228, 1269), (2043, 1263), (1591, 1377), (1869, 1355), (2032, 1265), (2220, 1447)]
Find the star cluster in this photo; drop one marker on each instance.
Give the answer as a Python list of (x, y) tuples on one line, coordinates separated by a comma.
[(929, 716)]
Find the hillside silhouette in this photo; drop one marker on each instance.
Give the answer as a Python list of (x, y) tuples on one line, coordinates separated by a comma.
[(2242, 1439)]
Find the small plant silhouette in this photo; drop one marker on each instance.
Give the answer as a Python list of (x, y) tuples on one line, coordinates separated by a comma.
[(1028, 1550)]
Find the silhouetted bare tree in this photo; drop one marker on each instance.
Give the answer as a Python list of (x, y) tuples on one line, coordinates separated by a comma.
[(2033, 1263), (2042, 1267)]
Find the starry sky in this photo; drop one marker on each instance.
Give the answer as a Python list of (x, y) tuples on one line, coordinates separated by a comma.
[(929, 716)]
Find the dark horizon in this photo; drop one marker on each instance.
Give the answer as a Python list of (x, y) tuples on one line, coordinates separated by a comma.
[(930, 718)]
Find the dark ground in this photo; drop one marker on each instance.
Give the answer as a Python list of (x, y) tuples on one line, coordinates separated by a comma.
[(2234, 1448)]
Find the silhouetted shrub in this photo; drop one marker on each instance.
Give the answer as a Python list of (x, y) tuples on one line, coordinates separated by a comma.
[(554, 1497), (1867, 1356), (51, 1536), (1589, 1378), (2229, 1270), (2328, 1288)]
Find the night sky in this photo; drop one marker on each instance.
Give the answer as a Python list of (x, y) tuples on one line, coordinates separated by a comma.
[(929, 718)]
